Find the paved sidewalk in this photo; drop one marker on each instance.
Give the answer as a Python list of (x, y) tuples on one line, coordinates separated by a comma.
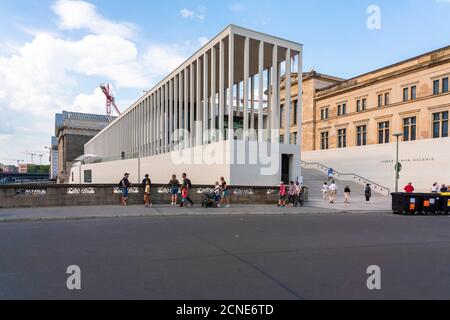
[(357, 203), (313, 207)]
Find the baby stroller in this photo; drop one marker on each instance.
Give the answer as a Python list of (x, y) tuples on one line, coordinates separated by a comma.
[(208, 199)]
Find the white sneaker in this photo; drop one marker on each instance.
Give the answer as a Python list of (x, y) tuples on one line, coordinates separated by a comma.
[(227, 206)]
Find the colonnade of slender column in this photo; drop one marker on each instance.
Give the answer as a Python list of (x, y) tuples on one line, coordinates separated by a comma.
[(208, 93)]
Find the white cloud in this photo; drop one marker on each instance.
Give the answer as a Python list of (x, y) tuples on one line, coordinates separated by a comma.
[(199, 13), (90, 103), (186, 13), (76, 14), (162, 59), (203, 41), (49, 73)]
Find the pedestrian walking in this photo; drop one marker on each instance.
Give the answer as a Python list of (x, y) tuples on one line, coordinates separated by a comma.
[(347, 192), (443, 188), (333, 192), (298, 194), (124, 185), (330, 173), (225, 193), (325, 191), (282, 193), (174, 186), (187, 185), (291, 193), (409, 188), (147, 183), (368, 193)]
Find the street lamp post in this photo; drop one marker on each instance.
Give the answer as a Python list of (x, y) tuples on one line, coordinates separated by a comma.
[(398, 166)]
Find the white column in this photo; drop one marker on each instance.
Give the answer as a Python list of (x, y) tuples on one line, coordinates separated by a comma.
[(166, 120), (151, 126), (186, 104), (198, 119), (245, 83), (175, 109), (171, 116), (192, 106), (180, 109), (261, 91), (230, 86), (274, 104), (221, 89), (213, 91), (205, 112), (287, 99)]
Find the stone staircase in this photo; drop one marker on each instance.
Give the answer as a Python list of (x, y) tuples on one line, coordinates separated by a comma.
[(315, 174)]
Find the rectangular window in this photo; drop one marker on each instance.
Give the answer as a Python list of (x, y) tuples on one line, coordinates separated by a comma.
[(324, 114), (386, 99), (436, 87), (440, 124), (342, 138), (409, 129), (445, 85), (87, 176), (282, 115), (380, 100), (405, 94), (342, 109), (358, 105), (413, 92), (364, 104), (361, 135), (324, 140), (383, 132)]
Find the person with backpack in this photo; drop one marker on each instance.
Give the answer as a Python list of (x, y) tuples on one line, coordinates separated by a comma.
[(124, 185), (347, 192), (298, 194), (174, 185), (291, 193), (368, 193), (187, 185), (147, 183)]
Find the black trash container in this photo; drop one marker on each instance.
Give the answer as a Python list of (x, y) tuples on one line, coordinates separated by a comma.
[(407, 203), (431, 203), (445, 202)]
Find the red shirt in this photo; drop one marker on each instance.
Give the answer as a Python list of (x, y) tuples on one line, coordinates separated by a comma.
[(409, 189), (282, 190)]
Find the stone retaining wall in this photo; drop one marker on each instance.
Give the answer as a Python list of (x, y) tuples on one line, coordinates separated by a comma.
[(54, 195)]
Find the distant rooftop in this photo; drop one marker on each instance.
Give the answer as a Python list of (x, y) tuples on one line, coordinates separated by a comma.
[(97, 119)]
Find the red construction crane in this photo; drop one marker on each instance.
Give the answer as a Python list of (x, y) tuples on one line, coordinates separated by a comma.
[(110, 101)]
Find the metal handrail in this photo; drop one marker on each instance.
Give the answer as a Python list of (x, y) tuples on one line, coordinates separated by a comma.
[(354, 175)]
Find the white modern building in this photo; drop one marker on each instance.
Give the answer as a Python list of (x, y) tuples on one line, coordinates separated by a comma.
[(210, 117)]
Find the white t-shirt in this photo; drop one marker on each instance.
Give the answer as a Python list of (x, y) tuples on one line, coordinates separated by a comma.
[(435, 189), (333, 187), (325, 188)]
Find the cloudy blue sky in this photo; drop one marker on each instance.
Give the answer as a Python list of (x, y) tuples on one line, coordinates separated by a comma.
[(53, 54)]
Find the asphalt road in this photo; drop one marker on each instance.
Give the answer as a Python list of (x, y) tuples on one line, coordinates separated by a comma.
[(228, 257)]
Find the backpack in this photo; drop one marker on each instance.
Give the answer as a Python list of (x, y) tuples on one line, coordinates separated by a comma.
[(120, 184), (188, 183)]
